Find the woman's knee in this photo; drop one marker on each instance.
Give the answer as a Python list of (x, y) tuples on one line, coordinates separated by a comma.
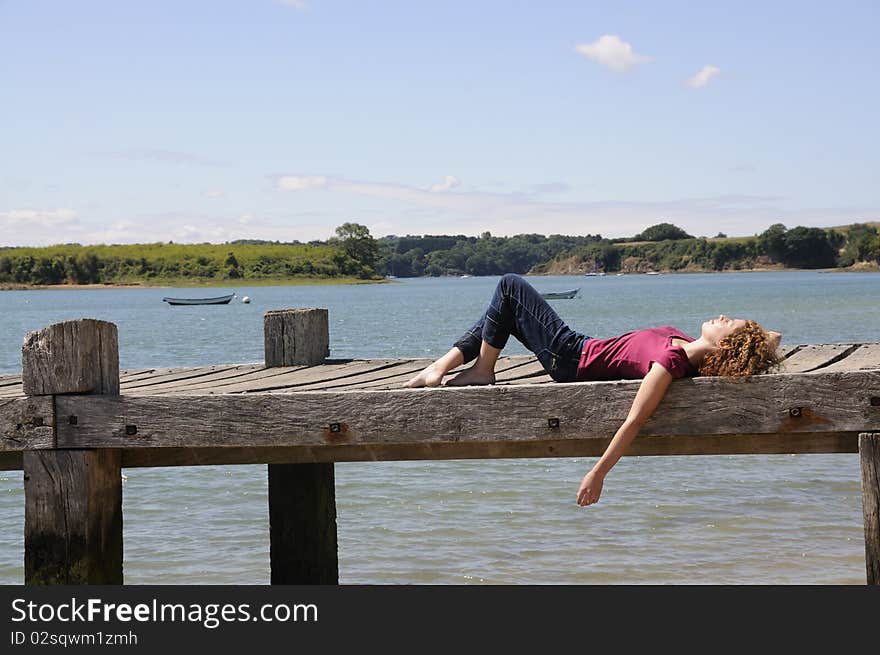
[(510, 281)]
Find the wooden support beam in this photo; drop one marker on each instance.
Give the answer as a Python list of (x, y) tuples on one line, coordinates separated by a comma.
[(73, 498), (73, 517), (302, 524), (27, 423), (869, 453), (302, 497), (784, 405)]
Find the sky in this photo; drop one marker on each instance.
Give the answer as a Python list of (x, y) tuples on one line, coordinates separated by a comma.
[(210, 121)]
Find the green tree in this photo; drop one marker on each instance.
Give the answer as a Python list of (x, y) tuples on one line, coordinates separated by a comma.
[(231, 263), (808, 247), (771, 242), (662, 232), (358, 244)]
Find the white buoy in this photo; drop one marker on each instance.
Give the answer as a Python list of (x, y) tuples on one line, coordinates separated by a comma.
[(245, 299)]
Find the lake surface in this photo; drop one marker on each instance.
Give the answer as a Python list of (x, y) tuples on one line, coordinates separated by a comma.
[(722, 519)]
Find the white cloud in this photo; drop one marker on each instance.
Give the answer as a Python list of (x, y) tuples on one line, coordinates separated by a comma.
[(609, 50), (37, 217), (301, 182), (702, 78), (299, 5), (247, 219), (449, 183), (213, 193)]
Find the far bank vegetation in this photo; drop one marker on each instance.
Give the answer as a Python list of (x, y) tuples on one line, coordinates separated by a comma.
[(354, 253)]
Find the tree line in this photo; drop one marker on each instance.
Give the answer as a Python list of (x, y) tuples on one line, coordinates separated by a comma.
[(354, 252), (163, 262), (660, 247)]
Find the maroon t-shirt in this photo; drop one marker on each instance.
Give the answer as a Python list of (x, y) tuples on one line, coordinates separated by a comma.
[(629, 356)]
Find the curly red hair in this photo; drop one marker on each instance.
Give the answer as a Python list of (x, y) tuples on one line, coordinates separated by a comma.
[(749, 350)]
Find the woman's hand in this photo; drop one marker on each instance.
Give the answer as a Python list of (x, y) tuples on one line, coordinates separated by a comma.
[(591, 488), (650, 393)]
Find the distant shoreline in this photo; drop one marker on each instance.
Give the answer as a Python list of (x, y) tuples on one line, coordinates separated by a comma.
[(185, 284), (192, 284)]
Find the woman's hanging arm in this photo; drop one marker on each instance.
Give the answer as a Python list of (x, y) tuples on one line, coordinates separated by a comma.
[(650, 393)]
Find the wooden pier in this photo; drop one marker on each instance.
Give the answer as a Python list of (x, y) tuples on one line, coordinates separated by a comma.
[(72, 421)]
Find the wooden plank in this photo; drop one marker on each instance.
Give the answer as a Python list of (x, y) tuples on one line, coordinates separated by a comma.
[(530, 369), (73, 517), (816, 402), (399, 371), (27, 423), (866, 357), (130, 373), (261, 373), (184, 374), (401, 368), (10, 385), (869, 455), (810, 358), (299, 379), (79, 356), (223, 376), (398, 379), (10, 380), (746, 444), (12, 392), (146, 373), (532, 379), (505, 366)]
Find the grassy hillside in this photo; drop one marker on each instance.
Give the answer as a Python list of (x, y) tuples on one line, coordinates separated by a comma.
[(169, 263)]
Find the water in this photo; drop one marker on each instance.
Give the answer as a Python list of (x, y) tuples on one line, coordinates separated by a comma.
[(721, 519)]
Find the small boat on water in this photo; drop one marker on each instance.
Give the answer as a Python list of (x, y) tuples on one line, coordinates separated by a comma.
[(560, 295), (217, 300)]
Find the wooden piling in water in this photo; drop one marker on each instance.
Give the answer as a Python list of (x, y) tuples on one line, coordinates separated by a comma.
[(302, 497), (73, 498), (869, 453)]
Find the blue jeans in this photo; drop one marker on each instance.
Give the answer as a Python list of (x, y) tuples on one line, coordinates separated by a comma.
[(518, 309)]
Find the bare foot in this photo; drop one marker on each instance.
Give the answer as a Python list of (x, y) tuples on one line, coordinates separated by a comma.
[(472, 376), (430, 376)]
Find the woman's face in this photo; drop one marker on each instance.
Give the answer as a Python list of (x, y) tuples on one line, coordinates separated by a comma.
[(716, 329)]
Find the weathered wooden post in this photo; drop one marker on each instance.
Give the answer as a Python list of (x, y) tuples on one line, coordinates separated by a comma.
[(73, 498), (869, 453), (302, 497)]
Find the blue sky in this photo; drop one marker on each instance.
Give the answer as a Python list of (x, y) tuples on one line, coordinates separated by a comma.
[(210, 121)]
